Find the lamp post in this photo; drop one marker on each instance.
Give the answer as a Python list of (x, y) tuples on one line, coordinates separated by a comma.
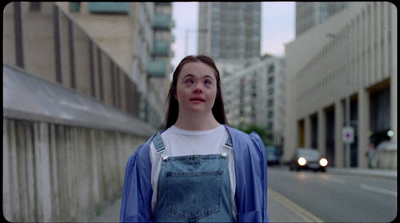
[(187, 37)]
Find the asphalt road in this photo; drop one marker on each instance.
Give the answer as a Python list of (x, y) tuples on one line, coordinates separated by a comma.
[(330, 197)]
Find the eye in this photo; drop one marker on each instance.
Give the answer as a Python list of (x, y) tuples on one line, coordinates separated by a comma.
[(207, 82), (189, 81)]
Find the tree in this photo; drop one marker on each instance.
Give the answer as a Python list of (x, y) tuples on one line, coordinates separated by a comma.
[(264, 132)]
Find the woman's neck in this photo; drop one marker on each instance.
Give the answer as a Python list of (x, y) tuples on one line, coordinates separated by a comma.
[(196, 122)]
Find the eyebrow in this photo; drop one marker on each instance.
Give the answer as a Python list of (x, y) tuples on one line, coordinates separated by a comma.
[(191, 75)]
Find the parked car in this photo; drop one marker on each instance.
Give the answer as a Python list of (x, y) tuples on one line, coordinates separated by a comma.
[(273, 156), (307, 158)]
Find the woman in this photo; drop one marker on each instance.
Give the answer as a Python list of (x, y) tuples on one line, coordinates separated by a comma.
[(198, 169)]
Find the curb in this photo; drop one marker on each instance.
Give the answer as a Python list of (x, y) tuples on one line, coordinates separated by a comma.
[(383, 174)]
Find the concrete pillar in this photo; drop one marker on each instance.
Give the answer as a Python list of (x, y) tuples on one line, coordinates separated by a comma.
[(322, 132), (339, 147), (96, 175), (42, 172), (393, 74), (291, 132), (393, 105), (30, 170), (55, 196), (307, 132), (7, 162), (10, 174), (363, 127)]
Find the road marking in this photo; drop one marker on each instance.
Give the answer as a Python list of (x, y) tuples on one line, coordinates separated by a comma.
[(307, 216), (378, 190), (333, 180)]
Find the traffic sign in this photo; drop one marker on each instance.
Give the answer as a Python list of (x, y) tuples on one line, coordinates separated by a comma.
[(348, 134)]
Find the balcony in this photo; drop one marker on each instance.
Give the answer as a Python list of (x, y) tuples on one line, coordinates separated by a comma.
[(162, 22), (109, 7), (156, 68), (161, 48)]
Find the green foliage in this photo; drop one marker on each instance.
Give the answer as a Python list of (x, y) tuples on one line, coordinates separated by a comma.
[(264, 132), (98, 209)]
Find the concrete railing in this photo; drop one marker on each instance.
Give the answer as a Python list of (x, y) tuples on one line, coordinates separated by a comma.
[(64, 153), (61, 173)]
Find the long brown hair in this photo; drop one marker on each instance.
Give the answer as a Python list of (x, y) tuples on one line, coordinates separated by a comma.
[(218, 109)]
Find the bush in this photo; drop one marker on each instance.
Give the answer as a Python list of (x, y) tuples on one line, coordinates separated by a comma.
[(264, 132)]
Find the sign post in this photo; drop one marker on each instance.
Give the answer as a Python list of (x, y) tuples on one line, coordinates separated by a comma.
[(348, 134), (348, 138)]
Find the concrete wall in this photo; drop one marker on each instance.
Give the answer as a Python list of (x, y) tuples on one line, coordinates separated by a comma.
[(54, 172)]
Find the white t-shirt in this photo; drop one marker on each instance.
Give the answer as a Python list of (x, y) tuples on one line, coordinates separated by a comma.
[(179, 142)]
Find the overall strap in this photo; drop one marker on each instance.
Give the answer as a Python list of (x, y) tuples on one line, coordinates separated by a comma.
[(228, 143), (158, 143)]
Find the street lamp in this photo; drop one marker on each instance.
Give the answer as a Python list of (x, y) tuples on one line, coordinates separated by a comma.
[(187, 36), (347, 131)]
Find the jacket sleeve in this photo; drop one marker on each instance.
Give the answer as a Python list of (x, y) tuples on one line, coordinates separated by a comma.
[(137, 191), (251, 178)]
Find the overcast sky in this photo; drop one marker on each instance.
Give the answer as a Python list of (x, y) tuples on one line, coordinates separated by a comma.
[(277, 28)]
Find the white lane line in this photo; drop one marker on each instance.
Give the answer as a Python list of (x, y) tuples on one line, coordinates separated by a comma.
[(378, 190), (299, 211), (335, 180)]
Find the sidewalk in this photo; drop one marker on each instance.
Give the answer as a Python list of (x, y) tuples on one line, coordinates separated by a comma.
[(278, 212), (277, 209), (280, 209), (109, 214), (379, 173)]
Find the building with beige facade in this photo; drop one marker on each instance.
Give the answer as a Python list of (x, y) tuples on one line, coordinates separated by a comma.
[(254, 94), (72, 43), (354, 53), (138, 35), (310, 14)]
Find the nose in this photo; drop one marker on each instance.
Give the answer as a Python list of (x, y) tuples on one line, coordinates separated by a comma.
[(198, 88)]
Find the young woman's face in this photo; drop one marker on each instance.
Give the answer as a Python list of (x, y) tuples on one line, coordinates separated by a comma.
[(196, 88)]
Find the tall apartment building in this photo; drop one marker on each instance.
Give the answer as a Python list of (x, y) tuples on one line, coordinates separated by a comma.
[(310, 14), (229, 30), (353, 54), (138, 35), (254, 94), (72, 43)]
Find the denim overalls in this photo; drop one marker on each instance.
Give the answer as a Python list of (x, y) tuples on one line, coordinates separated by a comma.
[(193, 188)]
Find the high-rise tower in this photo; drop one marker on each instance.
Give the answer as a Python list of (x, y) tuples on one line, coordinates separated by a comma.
[(229, 30), (310, 14)]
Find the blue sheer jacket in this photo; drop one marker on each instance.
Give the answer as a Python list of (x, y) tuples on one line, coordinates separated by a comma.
[(251, 180)]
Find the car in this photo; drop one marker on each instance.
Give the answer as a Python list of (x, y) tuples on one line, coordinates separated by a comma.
[(308, 158), (273, 156)]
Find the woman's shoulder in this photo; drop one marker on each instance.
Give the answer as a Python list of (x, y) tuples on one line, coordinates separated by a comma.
[(240, 135), (243, 140), (142, 153)]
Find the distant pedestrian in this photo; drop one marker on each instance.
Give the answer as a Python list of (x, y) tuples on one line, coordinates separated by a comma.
[(198, 169)]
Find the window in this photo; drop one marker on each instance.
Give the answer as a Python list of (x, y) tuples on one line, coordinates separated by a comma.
[(74, 6), (34, 7), (271, 68), (270, 103), (270, 80), (109, 7), (270, 114)]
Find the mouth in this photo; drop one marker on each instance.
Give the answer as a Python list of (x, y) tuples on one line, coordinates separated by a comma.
[(197, 99)]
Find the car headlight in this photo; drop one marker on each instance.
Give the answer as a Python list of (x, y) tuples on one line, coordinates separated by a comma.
[(323, 162), (302, 161)]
